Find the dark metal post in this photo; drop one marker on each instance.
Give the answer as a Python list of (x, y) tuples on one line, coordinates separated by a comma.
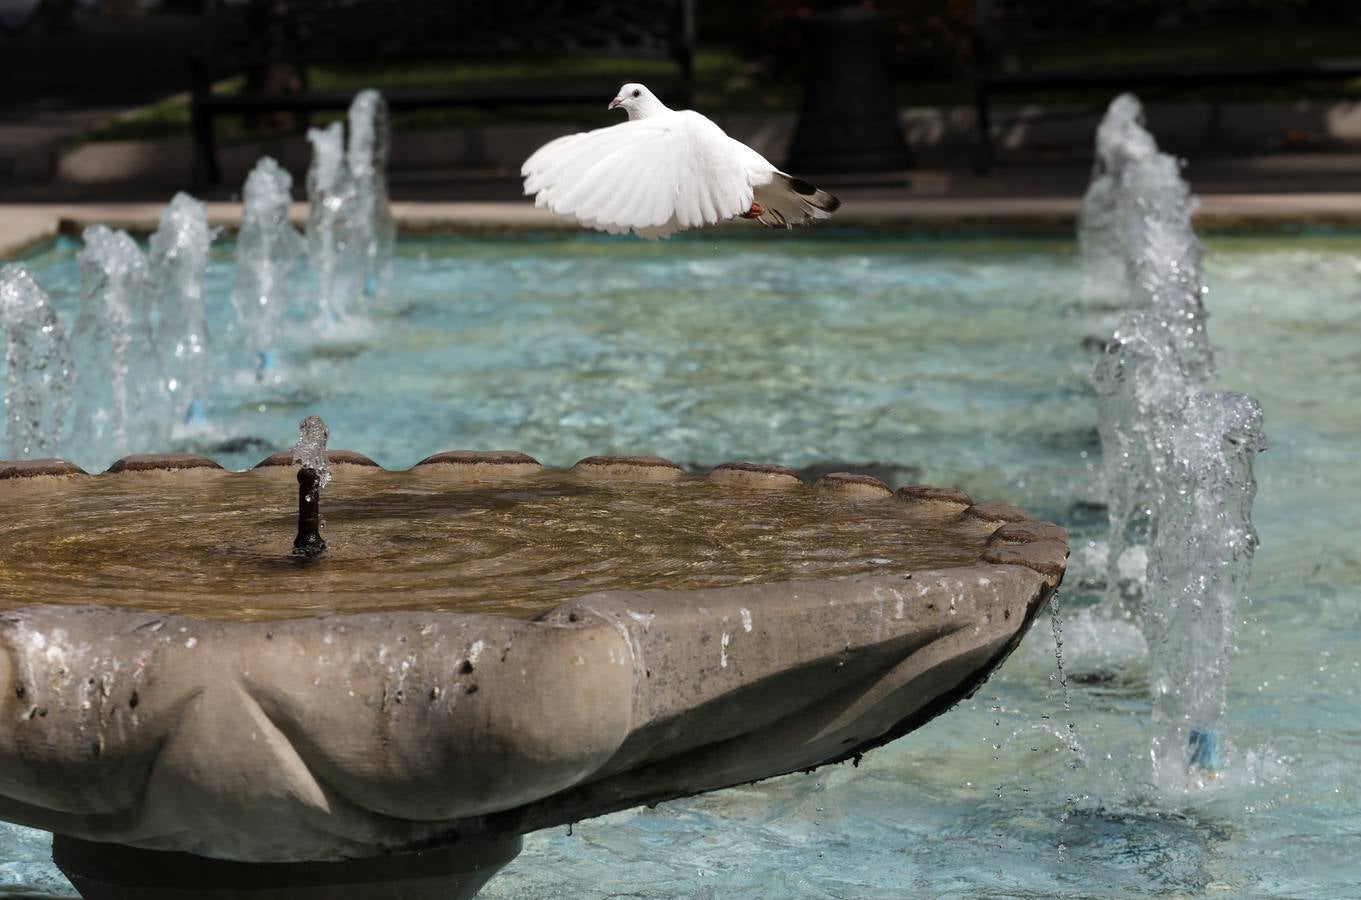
[(683, 49), (983, 65), (309, 542), (849, 121), (206, 169)]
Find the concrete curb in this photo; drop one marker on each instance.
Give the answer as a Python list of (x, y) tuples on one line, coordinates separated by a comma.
[(23, 227)]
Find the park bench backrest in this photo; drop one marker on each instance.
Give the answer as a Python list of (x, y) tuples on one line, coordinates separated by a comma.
[(1005, 28), (1151, 48)]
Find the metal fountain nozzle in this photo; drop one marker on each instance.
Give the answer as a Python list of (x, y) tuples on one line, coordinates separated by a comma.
[(309, 543), (310, 453)]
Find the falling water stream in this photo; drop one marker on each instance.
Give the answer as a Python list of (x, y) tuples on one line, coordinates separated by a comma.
[(1061, 678), (1177, 458)]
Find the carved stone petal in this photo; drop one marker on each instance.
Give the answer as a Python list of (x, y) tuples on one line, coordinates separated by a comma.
[(349, 736)]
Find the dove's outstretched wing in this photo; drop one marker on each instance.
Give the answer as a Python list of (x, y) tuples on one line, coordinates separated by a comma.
[(655, 175)]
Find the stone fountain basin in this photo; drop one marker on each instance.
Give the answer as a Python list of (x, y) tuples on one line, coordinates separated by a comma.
[(172, 681)]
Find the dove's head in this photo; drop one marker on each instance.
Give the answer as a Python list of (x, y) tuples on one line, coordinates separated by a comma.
[(637, 101)]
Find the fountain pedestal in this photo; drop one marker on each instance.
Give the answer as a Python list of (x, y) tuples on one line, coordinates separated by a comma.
[(103, 871), (486, 649)]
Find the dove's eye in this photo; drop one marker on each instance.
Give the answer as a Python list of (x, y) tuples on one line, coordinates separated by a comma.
[(637, 93)]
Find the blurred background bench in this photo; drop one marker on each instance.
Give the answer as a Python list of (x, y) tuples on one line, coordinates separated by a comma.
[(273, 42), (1043, 47)]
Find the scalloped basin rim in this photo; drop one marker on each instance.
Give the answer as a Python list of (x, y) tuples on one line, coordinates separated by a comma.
[(483, 533), (353, 736)]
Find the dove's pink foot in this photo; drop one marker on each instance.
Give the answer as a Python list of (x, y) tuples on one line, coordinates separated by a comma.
[(756, 211)]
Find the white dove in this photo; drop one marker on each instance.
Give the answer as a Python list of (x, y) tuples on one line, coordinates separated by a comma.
[(662, 171)]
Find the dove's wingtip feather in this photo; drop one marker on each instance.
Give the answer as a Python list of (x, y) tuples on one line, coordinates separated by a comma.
[(788, 201)]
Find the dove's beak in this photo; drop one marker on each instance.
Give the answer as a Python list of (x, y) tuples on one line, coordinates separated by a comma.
[(615, 102)]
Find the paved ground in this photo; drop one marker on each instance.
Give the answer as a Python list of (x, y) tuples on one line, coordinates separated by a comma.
[(23, 225)]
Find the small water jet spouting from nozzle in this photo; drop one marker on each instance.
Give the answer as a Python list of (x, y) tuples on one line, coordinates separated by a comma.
[(36, 371), (113, 345), (178, 258), (332, 239), (267, 247), (315, 474), (366, 154)]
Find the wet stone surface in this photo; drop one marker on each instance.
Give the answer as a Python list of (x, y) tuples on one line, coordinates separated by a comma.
[(216, 545)]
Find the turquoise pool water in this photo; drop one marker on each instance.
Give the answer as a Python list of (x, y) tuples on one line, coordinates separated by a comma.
[(950, 362)]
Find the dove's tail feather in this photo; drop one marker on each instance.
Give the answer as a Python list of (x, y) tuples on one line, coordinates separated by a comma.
[(788, 201)]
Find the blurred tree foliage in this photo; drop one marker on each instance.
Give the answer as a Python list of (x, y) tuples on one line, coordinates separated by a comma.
[(935, 38), (926, 38), (1092, 15)]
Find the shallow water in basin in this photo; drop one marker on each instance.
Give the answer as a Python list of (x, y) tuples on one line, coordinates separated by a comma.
[(217, 545), (948, 362)]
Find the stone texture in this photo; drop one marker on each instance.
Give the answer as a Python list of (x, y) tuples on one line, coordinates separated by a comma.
[(1046, 557), (359, 736), (307, 739), (996, 512), (628, 468), (943, 497), (39, 468), (333, 457), (1029, 530), (162, 462), (113, 872), (482, 464), (851, 485), (313, 739), (756, 475)]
